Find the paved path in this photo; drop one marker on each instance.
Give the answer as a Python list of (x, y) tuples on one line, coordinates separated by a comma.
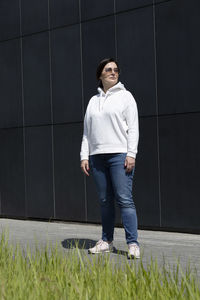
[(171, 246)]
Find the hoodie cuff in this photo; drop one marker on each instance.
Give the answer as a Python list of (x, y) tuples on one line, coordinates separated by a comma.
[(83, 157), (131, 154)]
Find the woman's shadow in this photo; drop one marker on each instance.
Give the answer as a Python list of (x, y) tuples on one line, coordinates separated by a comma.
[(86, 244)]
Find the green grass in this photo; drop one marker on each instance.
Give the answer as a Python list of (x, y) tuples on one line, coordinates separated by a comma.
[(53, 274)]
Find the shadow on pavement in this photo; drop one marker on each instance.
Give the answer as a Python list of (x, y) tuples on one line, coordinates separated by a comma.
[(120, 252), (86, 244), (78, 243)]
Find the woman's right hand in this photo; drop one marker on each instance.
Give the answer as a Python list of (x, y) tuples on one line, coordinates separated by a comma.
[(85, 166)]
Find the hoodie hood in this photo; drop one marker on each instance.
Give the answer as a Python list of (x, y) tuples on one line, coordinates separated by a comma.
[(116, 88)]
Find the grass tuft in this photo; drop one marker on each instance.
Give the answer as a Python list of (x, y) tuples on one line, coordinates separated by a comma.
[(51, 273)]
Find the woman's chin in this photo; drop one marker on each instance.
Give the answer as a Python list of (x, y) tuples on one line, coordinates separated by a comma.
[(112, 82)]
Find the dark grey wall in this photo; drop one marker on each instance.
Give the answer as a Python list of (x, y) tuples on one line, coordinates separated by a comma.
[(48, 55)]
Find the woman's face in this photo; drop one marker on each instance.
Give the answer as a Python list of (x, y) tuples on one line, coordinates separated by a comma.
[(109, 75)]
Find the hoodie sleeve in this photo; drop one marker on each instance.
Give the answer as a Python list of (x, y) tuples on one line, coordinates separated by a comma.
[(131, 116), (84, 154)]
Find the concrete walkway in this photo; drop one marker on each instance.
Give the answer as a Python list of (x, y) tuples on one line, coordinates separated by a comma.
[(156, 244)]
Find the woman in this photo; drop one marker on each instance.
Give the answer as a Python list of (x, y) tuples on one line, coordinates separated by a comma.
[(109, 147)]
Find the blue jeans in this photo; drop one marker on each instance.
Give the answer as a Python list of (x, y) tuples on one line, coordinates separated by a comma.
[(114, 184)]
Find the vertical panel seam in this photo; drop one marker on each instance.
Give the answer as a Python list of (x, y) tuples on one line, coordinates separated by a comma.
[(51, 104), (82, 95), (157, 120), (23, 109), (115, 20)]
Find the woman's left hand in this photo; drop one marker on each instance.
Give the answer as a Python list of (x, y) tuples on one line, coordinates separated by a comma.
[(129, 164)]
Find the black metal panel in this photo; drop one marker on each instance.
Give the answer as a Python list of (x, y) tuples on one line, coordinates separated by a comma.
[(66, 74), (135, 51), (96, 46), (69, 180), (160, 1), (180, 164), (34, 16), (93, 206), (37, 103), (12, 181), (146, 178), (122, 5), (95, 8), (178, 60), (9, 19), (10, 84), (39, 172), (64, 12)]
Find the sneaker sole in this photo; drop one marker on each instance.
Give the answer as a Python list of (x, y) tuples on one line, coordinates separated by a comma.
[(105, 251)]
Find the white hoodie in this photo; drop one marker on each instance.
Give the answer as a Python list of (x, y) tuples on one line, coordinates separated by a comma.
[(111, 123)]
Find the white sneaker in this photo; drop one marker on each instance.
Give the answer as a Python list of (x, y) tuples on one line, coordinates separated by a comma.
[(133, 251), (101, 246)]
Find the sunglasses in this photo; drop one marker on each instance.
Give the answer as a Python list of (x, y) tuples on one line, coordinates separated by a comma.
[(110, 70)]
